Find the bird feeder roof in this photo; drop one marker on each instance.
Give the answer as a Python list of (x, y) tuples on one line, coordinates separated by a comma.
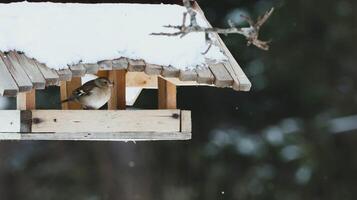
[(39, 48)]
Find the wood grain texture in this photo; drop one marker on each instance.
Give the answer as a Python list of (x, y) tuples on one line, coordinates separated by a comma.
[(78, 70), (204, 76), (26, 100), (66, 89), (168, 71), (10, 121), (188, 75), (92, 136), (91, 68), (166, 94), (222, 77), (151, 69), (8, 86), (64, 74), (104, 121), (118, 98), (19, 75), (120, 64), (136, 65), (186, 122), (50, 75), (31, 70)]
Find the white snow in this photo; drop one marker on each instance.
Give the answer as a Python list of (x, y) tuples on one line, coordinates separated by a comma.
[(61, 34)]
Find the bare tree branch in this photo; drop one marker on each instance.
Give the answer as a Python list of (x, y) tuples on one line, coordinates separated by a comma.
[(251, 33)]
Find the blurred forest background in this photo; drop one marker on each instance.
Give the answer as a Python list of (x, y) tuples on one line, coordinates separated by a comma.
[(294, 136)]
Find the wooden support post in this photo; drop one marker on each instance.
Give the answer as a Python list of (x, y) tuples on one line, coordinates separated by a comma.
[(166, 94), (117, 100), (26, 100), (102, 73), (67, 88)]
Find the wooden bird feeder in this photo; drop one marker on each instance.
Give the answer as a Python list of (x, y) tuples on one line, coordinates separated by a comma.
[(21, 76)]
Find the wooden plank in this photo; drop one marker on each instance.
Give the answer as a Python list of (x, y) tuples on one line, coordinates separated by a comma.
[(31, 70), (240, 80), (10, 121), (141, 79), (66, 89), (26, 100), (151, 69), (204, 76), (168, 71), (188, 75), (8, 86), (104, 121), (118, 98), (120, 64), (222, 77), (19, 75), (91, 68), (50, 75), (136, 65), (77, 70), (105, 65), (186, 122), (103, 73), (166, 94), (90, 136), (64, 74)]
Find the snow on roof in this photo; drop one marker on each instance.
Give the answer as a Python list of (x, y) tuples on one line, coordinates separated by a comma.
[(63, 34)]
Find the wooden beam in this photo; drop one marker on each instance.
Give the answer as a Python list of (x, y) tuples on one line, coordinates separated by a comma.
[(120, 64), (8, 86), (166, 94), (114, 125), (78, 70), (91, 136), (105, 65), (205, 76), (136, 65), (103, 73), (91, 68), (50, 75), (10, 121), (104, 121), (117, 100), (168, 71), (31, 70), (151, 69), (222, 77), (64, 74), (26, 100), (186, 122), (188, 75), (66, 88), (17, 72)]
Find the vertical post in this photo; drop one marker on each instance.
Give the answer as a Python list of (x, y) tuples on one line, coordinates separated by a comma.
[(103, 73), (166, 94), (26, 101), (67, 88), (117, 100)]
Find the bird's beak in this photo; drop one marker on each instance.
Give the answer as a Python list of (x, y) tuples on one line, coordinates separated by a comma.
[(111, 84)]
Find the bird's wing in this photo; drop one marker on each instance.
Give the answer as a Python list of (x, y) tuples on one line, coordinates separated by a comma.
[(84, 90)]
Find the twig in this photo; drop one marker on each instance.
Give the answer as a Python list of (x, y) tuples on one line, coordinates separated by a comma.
[(251, 33)]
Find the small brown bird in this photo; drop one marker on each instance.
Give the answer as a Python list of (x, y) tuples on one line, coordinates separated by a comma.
[(93, 94)]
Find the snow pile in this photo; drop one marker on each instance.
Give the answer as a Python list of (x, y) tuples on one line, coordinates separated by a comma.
[(62, 34)]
